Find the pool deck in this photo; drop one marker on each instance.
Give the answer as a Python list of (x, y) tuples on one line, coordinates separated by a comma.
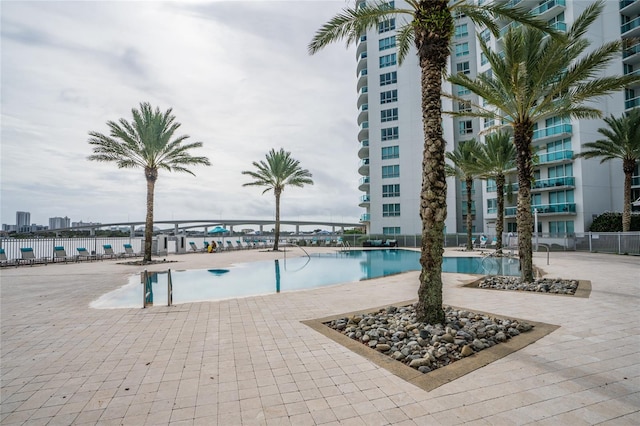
[(250, 361)]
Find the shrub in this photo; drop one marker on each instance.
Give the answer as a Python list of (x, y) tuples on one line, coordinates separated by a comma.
[(612, 222)]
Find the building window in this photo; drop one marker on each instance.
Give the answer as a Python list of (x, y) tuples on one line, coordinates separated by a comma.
[(561, 145), (561, 227), (561, 171), (462, 49), (464, 106), (389, 152), (483, 59), (388, 60), (463, 67), (388, 25), (391, 190), (465, 127), (464, 208), (390, 210), (485, 35), (389, 133), (462, 90), (389, 96), (387, 43), (388, 78), (389, 115), (460, 31), (391, 171), (511, 227), (391, 230), (491, 185), (561, 197), (492, 205), (488, 122)]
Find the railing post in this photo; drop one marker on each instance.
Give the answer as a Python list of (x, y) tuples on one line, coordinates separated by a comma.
[(590, 251), (619, 242), (169, 288), (145, 279)]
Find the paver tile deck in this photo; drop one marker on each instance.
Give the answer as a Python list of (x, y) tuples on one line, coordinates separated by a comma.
[(250, 361)]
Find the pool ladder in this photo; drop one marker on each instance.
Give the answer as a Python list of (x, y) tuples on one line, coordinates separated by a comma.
[(147, 294)]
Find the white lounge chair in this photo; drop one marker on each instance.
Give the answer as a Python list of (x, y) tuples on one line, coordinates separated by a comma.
[(128, 251), (108, 252), (83, 254), (6, 262), (60, 255), (29, 257)]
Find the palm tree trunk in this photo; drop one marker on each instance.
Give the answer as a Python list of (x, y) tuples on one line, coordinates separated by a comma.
[(152, 176), (500, 216), (469, 184), (522, 135), (628, 167), (433, 51), (277, 236)]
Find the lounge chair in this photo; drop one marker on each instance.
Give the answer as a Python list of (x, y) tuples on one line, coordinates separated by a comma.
[(83, 254), (108, 252), (240, 245), (128, 251), (29, 257), (195, 248), (483, 242), (60, 255), (391, 243), (494, 243), (230, 245), (6, 262)]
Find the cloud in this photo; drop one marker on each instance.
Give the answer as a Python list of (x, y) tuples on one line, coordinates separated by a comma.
[(237, 75)]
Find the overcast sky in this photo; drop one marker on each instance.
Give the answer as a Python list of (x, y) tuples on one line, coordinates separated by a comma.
[(237, 75)]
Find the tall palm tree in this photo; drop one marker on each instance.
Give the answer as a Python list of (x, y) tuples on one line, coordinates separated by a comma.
[(429, 25), (147, 142), (538, 77), (495, 157), (622, 142), (278, 171), (465, 167)]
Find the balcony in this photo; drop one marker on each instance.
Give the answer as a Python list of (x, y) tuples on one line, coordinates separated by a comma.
[(627, 30), (363, 152), (548, 8), (554, 183), (365, 217), (554, 157), (363, 115), (629, 7), (630, 52), (635, 180), (363, 134), (546, 209), (363, 79), (363, 167), (504, 30), (512, 186), (632, 103), (363, 184), (556, 130), (364, 200), (361, 46), (363, 96)]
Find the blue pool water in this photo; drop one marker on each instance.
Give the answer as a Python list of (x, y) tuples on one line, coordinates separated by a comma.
[(250, 279)]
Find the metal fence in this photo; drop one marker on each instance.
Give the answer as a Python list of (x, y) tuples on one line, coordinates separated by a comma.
[(43, 247), (602, 242)]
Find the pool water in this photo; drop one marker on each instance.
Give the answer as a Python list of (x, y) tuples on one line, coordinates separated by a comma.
[(265, 277)]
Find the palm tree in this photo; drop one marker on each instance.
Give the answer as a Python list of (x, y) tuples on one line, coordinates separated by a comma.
[(429, 25), (496, 156), (465, 167), (146, 142), (622, 142), (538, 77), (278, 171)]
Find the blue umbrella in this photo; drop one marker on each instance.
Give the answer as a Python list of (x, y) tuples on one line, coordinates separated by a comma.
[(219, 230)]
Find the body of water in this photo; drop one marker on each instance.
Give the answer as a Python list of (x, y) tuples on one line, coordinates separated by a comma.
[(265, 277)]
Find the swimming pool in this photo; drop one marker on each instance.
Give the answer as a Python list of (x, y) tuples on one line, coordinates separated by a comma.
[(264, 277)]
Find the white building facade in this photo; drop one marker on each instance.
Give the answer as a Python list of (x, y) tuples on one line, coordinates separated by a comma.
[(567, 193)]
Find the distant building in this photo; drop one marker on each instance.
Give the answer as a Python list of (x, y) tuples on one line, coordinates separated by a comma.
[(23, 222), (59, 222)]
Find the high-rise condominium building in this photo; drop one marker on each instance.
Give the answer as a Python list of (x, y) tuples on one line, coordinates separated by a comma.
[(566, 194), (23, 221), (59, 222)]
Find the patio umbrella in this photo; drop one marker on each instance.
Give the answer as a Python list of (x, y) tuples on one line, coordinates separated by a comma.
[(219, 230)]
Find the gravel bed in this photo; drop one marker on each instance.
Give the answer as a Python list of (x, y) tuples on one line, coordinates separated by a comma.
[(395, 332), (543, 285)]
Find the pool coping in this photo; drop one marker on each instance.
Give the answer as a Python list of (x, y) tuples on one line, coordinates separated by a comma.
[(441, 376)]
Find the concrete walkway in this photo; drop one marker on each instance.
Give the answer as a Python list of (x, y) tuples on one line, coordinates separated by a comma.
[(250, 361)]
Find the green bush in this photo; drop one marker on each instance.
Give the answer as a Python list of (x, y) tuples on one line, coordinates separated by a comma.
[(612, 222)]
